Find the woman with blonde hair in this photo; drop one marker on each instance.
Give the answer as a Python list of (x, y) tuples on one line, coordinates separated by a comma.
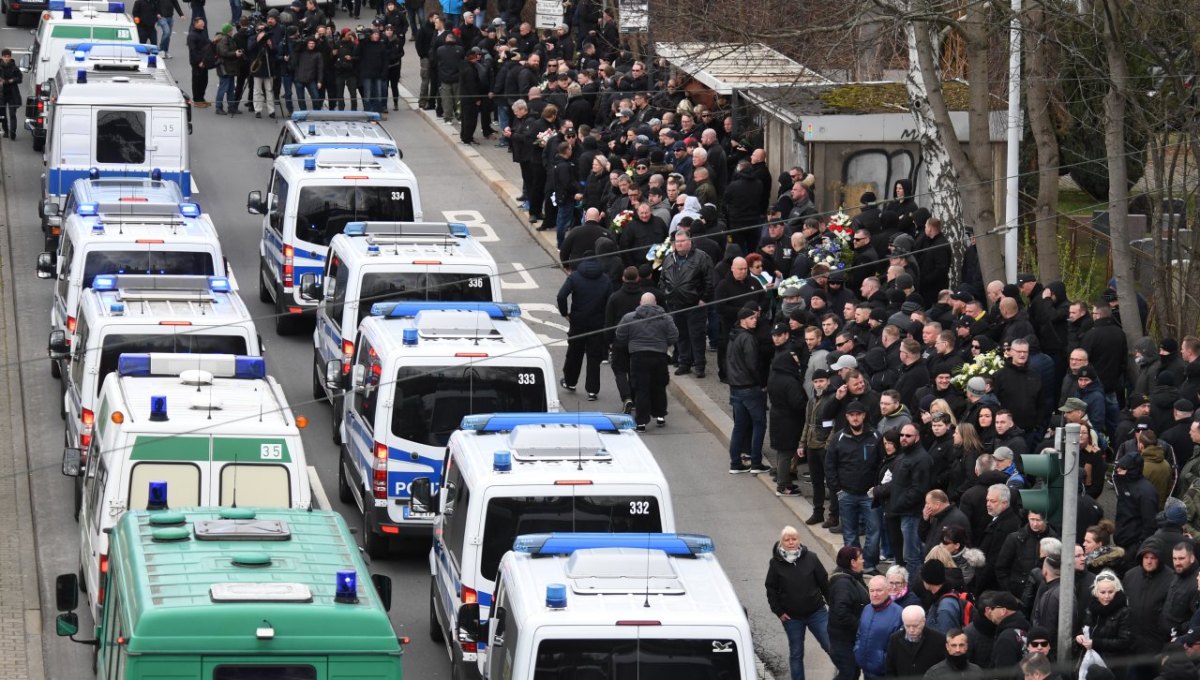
[(943, 406), (1106, 620), (797, 586)]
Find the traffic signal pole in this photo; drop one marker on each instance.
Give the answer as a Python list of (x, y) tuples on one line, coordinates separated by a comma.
[(1070, 512)]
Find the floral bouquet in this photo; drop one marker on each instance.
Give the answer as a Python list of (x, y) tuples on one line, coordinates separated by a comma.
[(841, 223), (834, 248), (619, 222), (658, 252), (544, 136), (789, 282), (984, 364)]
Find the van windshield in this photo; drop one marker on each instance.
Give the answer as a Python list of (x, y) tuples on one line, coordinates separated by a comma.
[(182, 342), (440, 287), (431, 401), (699, 659), (514, 516), (322, 212), (161, 262)]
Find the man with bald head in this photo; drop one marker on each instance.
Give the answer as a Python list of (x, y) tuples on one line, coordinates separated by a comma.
[(718, 163), (580, 241), (732, 293), (878, 621), (914, 649), (647, 333)]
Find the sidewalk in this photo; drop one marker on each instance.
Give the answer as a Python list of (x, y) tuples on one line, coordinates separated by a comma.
[(20, 600), (706, 399)]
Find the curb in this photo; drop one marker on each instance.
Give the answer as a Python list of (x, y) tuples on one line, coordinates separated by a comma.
[(700, 405)]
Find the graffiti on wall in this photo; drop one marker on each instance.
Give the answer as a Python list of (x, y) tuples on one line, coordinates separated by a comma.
[(878, 169)]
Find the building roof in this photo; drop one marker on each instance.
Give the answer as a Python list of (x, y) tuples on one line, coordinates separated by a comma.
[(825, 99), (724, 67)]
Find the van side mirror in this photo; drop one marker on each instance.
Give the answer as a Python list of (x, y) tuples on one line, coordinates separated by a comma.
[(66, 625), (499, 616), (468, 623), (383, 587), (333, 374), (45, 265), (310, 290), (72, 462), (66, 592), (58, 347), (421, 492), (264, 151), (254, 203), (49, 209)]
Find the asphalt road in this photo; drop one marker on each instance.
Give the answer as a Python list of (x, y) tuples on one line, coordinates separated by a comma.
[(742, 517)]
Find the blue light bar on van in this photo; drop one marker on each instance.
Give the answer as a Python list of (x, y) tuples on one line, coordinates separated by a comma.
[(502, 461), (376, 150), (456, 229), (219, 284), (401, 310), (133, 364), (87, 47), (567, 543), (250, 367), (116, 8), (104, 282), (156, 498), (87, 209), (301, 116), (189, 209), (505, 422)]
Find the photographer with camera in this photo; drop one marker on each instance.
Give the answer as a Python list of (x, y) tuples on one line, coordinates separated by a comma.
[(229, 60), (372, 70), (263, 65), (345, 72)]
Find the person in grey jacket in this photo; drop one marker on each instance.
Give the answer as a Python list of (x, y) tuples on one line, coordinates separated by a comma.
[(648, 333), (687, 281)]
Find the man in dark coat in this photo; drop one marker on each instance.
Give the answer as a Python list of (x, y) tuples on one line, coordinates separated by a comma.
[(1019, 553), (1108, 352), (10, 92), (912, 477), (581, 240), (472, 87), (1018, 388), (915, 648), (1145, 586), (1181, 594), (732, 293), (623, 300), (588, 289), (1003, 611), (933, 256), (1004, 522), (1137, 503), (785, 390), (743, 199), (938, 514)]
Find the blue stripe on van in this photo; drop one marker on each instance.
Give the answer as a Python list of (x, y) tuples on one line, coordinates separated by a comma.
[(59, 180)]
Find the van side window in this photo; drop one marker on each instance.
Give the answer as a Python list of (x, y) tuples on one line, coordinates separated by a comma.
[(79, 353), (454, 526), (366, 398), (335, 304), (121, 137), (66, 253), (279, 197)]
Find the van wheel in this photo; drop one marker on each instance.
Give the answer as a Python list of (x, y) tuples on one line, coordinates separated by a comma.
[(318, 386), (435, 628), (264, 295), (285, 323), (82, 580), (11, 18), (62, 399), (78, 496), (345, 494), (55, 369), (376, 544), (39, 143), (336, 431)]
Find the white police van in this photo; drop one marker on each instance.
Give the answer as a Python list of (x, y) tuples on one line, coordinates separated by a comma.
[(637, 605), (135, 228), (68, 22), (314, 192), (372, 262), (331, 128), (507, 474), (419, 368), (131, 314), (215, 427), (116, 110)]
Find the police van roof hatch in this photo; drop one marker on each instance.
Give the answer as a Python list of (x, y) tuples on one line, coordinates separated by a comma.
[(623, 571), (453, 324), (557, 442)]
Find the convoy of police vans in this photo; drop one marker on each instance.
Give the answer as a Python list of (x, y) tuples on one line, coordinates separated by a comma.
[(186, 453)]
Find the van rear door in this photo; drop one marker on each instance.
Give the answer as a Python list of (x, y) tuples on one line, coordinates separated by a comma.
[(69, 155), (260, 667), (168, 146)]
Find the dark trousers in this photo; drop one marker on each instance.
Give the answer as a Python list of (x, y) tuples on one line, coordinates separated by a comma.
[(649, 373), (619, 362), (470, 119), (199, 83), (590, 344), (816, 472), (691, 323), (895, 536), (393, 77), (723, 329), (147, 35), (841, 653), (486, 108), (239, 89), (535, 190), (338, 98)]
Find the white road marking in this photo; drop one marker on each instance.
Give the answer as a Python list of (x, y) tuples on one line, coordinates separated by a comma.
[(474, 220), (320, 500), (534, 313), (526, 283)]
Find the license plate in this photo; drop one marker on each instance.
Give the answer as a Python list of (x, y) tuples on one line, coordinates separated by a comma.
[(409, 514)]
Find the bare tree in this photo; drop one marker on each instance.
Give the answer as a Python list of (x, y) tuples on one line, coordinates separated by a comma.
[(1043, 111)]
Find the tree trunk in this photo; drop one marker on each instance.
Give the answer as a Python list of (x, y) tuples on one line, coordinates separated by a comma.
[(1040, 103), (943, 199), (1115, 102), (974, 186)]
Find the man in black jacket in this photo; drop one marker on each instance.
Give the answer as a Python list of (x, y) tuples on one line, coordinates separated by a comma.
[(588, 289), (10, 92), (472, 87), (1019, 553), (852, 460), (1002, 609), (938, 514), (915, 648), (1108, 352), (732, 293), (564, 189), (746, 393), (1018, 388), (1181, 594), (1137, 503), (449, 57), (797, 590), (1004, 522), (911, 478), (687, 281), (1145, 587), (933, 258), (581, 240)]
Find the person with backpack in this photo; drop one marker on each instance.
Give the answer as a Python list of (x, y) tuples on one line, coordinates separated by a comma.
[(950, 607)]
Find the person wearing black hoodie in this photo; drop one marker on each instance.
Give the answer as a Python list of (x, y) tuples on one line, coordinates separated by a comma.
[(588, 289), (1003, 610), (1137, 503), (623, 300), (847, 598), (903, 206), (797, 589), (1146, 587), (785, 389)]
